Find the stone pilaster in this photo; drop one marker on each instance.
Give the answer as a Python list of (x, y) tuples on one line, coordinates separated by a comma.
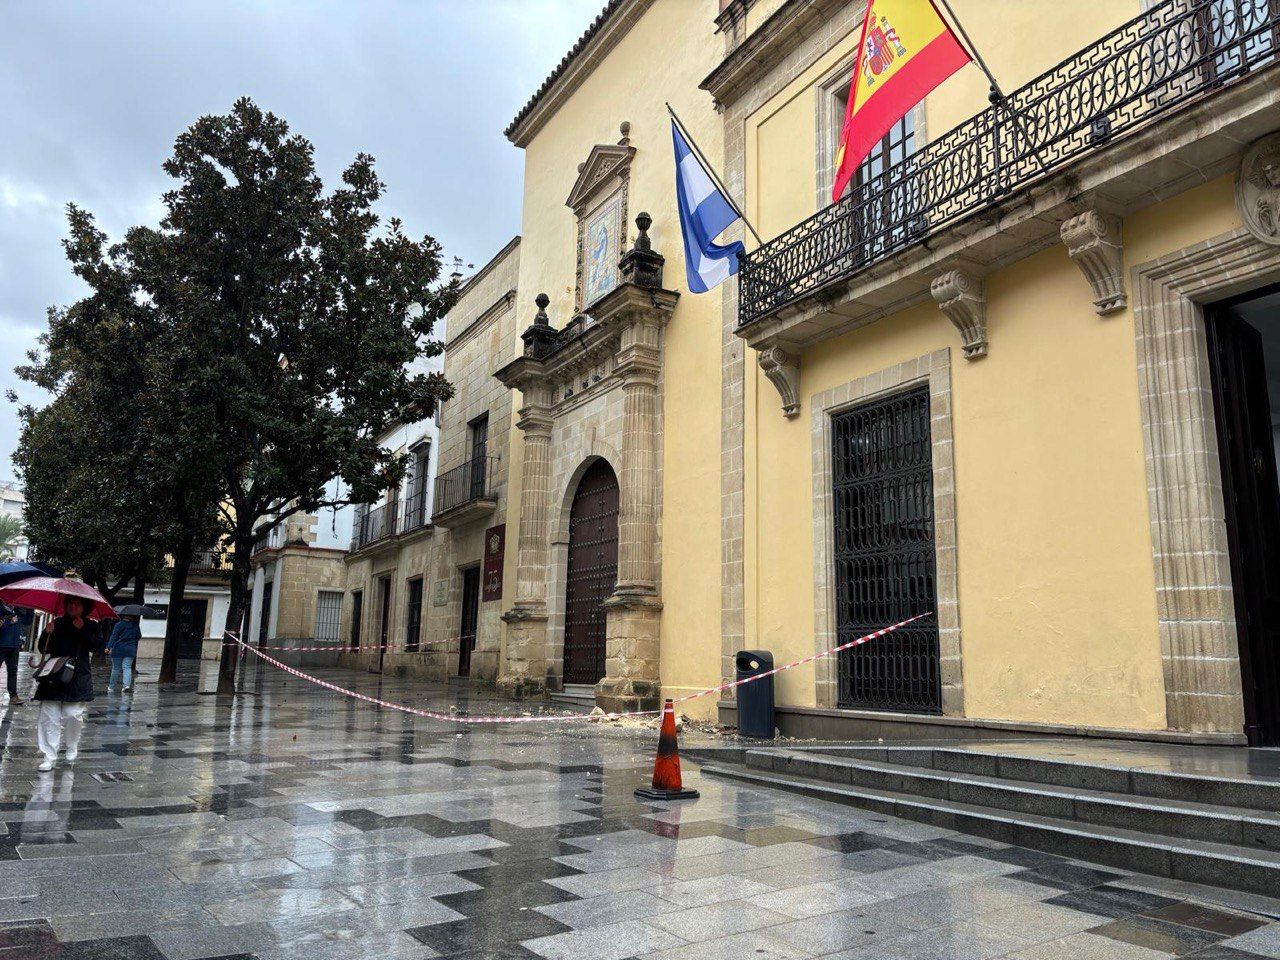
[(527, 664)]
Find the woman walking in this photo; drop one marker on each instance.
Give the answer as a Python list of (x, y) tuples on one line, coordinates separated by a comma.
[(10, 649), (123, 650), (68, 641)]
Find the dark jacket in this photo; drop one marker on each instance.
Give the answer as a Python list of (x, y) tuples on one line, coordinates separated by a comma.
[(65, 640), (123, 644), (10, 631)]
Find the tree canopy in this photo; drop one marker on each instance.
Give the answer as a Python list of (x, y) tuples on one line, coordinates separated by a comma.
[(262, 336)]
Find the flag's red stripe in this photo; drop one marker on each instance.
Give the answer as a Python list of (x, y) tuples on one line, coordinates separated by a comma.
[(940, 58)]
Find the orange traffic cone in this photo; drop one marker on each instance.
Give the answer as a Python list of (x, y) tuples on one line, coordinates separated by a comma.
[(666, 768)]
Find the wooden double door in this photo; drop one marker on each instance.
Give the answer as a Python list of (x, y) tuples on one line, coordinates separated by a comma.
[(592, 572)]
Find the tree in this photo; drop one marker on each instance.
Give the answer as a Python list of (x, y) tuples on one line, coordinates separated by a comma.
[(108, 491), (10, 536), (294, 319)]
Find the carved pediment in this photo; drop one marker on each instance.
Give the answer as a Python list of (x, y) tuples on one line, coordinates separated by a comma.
[(607, 163)]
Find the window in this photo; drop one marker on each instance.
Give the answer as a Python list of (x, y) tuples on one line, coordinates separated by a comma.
[(357, 614), (882, 499), (478, 440), (328, 614), (419, 470), (413, 623)]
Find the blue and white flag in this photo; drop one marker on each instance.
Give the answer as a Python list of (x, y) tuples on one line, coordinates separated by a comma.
[(705, 213)]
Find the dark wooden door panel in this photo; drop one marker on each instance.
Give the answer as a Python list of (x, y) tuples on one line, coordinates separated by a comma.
[(592, 572), (1252, 505), (470, 619)]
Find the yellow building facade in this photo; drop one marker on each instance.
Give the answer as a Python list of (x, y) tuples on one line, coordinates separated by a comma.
[(1009, 382)]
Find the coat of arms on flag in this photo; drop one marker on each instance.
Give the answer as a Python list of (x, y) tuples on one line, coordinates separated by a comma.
[(905, 50)]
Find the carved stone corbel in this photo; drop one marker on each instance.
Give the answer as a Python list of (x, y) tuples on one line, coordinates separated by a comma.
[(783, 371), (1093, 243), (963, 299)]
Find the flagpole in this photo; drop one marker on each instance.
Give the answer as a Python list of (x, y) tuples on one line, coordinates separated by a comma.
[(996, 95), (693, 145)]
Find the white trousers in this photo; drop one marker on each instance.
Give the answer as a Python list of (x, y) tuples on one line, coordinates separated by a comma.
[(58, 723)]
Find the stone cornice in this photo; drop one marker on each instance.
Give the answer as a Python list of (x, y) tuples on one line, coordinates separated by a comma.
[(614, 22), (788, 28)]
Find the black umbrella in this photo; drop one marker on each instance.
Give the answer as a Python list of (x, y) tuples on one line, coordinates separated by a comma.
[(136, 610)]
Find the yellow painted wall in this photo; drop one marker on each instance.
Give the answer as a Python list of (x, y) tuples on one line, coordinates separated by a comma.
[(1057, 597), (630, 85)]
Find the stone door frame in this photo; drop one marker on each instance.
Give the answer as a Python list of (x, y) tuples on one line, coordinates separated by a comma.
[(1195, 602)]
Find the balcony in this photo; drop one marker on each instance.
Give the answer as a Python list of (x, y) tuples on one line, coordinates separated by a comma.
[(376, 525), (416, 515), (466, 492), (979, 190)]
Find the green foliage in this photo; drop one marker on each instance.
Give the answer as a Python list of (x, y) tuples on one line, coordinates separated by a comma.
[(10, 536), (235, 359)]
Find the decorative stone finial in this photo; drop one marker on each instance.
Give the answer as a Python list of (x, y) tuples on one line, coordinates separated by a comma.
[(541, 338), (640, 265), (624, 128), (644, 222)]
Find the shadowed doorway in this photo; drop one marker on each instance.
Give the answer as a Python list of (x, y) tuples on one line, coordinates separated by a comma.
[(592, 573)]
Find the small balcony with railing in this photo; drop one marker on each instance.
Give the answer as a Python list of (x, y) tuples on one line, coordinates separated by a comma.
[(1160, 104), (466, 493), (417, 511), (376, 525)]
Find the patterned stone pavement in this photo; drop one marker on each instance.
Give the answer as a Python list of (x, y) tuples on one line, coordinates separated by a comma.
[(300, 824)]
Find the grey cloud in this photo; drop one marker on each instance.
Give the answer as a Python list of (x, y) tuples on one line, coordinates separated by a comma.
[(92, 95)]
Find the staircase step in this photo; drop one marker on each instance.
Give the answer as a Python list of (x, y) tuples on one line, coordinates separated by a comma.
[(1221, 789), (1195, 861), (1243, 827)]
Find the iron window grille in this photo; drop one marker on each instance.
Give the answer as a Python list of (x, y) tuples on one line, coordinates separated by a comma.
[(328, 614), (1151, 65), (882, 497), (413, 619)]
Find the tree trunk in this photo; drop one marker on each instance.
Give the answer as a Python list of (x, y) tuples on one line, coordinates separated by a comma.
[(241, 553), (173, 625), (140, 584)]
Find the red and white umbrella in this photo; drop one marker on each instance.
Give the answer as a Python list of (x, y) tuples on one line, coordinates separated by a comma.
[(50, 595)]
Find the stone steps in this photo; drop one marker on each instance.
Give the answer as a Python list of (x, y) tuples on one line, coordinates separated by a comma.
[(1197, 787), (1173, 818), (1234, 847)]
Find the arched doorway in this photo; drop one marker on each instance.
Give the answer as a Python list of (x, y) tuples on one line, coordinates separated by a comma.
[(592, 572)]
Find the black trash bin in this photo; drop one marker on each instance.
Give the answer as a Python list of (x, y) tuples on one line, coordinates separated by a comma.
[(755, 699)]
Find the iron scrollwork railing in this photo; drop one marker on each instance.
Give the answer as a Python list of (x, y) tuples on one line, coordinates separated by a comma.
[(1149, 66), (465, 483)]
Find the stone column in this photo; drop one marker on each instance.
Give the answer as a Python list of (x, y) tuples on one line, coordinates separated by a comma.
[(526, 666), (526, 661), (631, 680)]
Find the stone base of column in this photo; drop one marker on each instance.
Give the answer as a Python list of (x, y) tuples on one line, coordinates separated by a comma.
[(631, 680), (524, 675)]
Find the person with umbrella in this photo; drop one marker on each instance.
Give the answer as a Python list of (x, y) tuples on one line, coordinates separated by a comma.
[(11, 648), (64, 677), (122, 647)]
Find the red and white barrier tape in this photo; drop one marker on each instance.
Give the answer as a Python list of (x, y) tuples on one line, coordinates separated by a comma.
[(542, 718), (336, 647)]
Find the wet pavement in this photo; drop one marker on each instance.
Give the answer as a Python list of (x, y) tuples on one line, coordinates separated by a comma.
[(298, 823)]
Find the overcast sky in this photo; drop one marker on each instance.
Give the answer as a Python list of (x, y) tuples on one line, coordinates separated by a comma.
[(93, 93)]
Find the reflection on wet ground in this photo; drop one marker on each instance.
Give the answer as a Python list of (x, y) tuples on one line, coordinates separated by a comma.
[(297, 823)]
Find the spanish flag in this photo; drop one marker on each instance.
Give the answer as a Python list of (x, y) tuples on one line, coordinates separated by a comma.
[(906, 50)]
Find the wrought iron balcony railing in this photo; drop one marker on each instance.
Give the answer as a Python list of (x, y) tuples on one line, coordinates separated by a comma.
[(1149, 66), (416, 514), (464, 484), (376, 524)]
